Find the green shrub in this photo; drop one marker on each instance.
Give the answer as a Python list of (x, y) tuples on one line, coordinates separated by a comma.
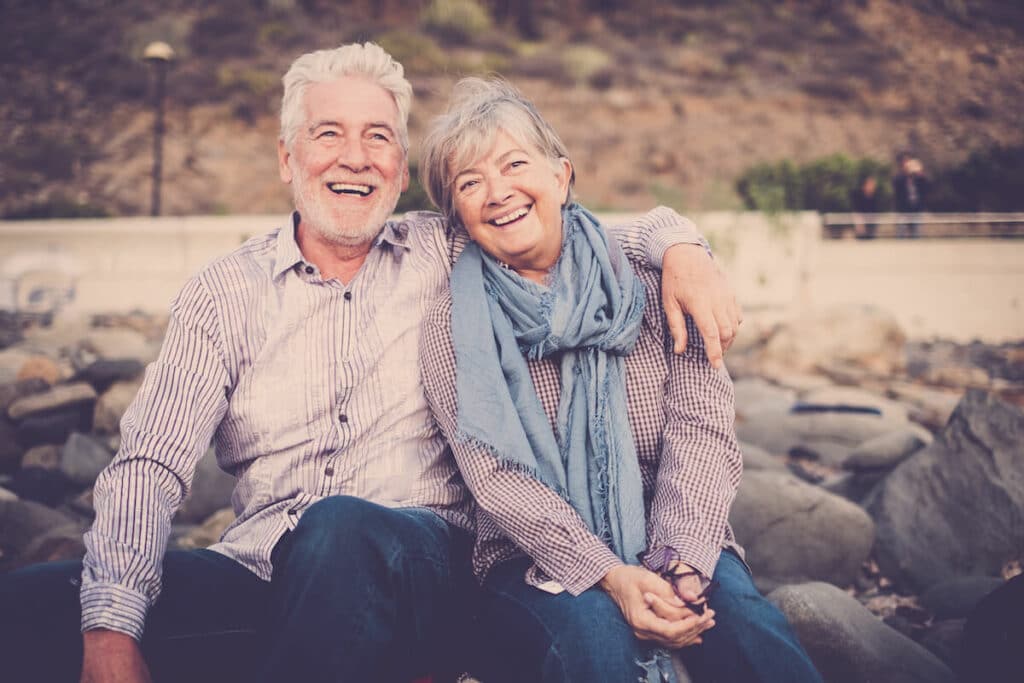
[(456, 20), (415, 198), (989, 180), (58, 206), (826, 184), (416, 52), (584, 62)]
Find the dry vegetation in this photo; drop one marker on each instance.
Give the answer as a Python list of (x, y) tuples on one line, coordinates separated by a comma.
[(658, 101)]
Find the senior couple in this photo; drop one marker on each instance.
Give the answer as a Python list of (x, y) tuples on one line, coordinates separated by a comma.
[(570, 442)]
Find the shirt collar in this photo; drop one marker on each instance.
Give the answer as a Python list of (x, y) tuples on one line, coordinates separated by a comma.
[(395, 233)]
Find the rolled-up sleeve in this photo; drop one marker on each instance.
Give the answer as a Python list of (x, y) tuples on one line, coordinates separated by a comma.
[(163, 433)]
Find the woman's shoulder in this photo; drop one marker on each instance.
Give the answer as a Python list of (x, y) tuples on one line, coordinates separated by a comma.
[(439, 315)]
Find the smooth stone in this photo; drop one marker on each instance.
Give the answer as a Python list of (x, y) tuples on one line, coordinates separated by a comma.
[(928, 406), (11, 362), (757, 458), (955, 598), (104, 372), (56, 398), (11, 450), (888, 450), (211, 490), (755, 395), (21, 522), (115, 344), (956, 508), (62, 543), (48, 487), (6, 494), (42, 368), (829, 436), (111, 406), (83, 458), (854, 486), (848, 644), (45, 457), (54, 426), (12, 391), (793, 531)]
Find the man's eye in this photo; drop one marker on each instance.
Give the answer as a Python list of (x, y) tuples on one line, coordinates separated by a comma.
[(380, 137), (326, 134)]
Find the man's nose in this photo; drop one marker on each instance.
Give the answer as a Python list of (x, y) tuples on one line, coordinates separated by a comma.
[(352, 155)]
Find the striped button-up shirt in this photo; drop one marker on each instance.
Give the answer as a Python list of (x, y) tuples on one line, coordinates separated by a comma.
[(681, 412), (307, 387)]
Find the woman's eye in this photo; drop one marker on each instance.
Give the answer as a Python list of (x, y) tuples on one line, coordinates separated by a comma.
[(467, 185)]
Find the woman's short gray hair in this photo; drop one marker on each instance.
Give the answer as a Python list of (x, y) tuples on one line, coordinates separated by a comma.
[(368, 60), (479, 109)]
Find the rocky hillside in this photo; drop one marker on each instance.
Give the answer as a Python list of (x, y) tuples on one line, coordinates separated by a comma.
[(678, 98)]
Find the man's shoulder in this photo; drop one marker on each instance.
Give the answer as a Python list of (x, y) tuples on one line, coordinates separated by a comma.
[(255, 255)]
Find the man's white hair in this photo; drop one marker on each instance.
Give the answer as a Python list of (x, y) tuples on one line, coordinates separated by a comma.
[(367, 60)]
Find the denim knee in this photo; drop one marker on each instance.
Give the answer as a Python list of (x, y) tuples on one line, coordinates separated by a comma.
[(337, 523)]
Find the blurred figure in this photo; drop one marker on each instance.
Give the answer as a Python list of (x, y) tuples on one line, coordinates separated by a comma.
[(909, 187), (865, 201)]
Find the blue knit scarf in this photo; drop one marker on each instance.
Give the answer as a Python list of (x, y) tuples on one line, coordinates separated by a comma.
[(590, 313)]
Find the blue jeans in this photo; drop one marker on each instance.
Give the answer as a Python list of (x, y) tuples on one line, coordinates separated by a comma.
[(359, 592), (526, 634)]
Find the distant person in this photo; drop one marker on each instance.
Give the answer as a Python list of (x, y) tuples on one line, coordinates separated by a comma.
[(865, 201), (909, 188)]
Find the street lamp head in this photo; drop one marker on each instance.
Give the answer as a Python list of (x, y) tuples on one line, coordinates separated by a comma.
[(157, 52)]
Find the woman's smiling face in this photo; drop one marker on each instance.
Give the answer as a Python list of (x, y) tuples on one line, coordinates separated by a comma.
[(510, 201)]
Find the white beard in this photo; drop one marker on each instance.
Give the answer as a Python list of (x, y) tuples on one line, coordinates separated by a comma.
[(334, 226)]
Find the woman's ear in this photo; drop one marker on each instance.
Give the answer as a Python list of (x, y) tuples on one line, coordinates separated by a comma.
[(564, 173)]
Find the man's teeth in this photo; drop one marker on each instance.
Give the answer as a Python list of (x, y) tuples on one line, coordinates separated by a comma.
[(350, 188), (515, 215)]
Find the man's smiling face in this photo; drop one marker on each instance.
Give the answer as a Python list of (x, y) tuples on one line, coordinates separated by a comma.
[(346, 165)]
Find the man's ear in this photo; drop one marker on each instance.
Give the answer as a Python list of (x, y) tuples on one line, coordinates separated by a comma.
[(564, 174), (283, 169)]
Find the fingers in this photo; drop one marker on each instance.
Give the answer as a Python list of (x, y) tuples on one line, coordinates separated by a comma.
[(676, 321), (673, 634), (704, 318), (669, 610)]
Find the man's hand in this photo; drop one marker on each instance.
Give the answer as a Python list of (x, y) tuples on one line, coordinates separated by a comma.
[(112, 657), (691, 283), (637, 590)]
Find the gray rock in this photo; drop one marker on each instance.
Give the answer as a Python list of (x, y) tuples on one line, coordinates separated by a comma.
[(45, 457), (211, 491), (850, 645), (829, 436), (757, 458), (755, 395), (62, 543), (888, 450), (112, 405), (104, 372), (954, 599), (854, 486), (54, 426), (957, 507), (793, 531), (115, 344), (83, 458), (11, 392), (11, 362), (21, 521), (10, 449), (928, 406), (62, 396)]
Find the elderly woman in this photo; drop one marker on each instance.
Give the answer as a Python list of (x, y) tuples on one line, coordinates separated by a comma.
[(603, 464)]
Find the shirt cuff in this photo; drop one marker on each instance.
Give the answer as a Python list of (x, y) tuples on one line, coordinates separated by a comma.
[(588, 570), (692, 552), (113, 607), (669, 230)]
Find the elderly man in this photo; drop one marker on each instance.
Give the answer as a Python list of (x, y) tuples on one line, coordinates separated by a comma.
[(297, 355)]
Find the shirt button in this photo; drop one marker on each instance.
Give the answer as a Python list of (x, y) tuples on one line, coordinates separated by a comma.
[(309, 270), (348, 296), (329, 471), (343, 418)]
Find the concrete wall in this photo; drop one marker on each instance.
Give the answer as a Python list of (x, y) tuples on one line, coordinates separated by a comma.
[(956, 289)]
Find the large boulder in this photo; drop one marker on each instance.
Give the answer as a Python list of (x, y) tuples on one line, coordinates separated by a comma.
[(957, 507), (83, 458), (112, 405), (857, 335), (888, 450), (755, 395), (794, 532), (848, 644), (21, 522)]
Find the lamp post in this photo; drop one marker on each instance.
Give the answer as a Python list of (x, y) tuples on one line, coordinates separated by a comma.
[(159, 56)]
